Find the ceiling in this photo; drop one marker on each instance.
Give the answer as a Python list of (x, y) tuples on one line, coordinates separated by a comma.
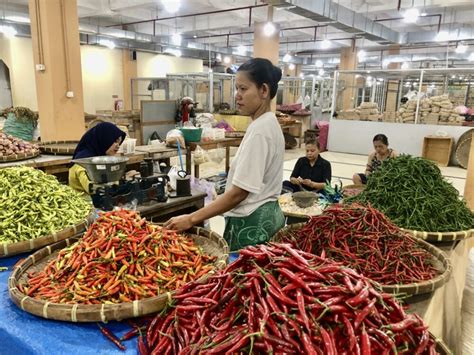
[(304, 25)]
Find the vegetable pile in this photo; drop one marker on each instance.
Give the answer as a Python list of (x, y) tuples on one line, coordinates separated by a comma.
[(414, 195), (34, 204), (364, 239), (121, 258), (275, 299), (10, 145)]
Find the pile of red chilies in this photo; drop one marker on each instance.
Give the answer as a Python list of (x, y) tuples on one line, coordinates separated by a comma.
[(367, 241), (121, 258), (275, 299)]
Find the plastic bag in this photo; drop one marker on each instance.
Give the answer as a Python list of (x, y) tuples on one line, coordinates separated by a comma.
[(174, 135), (204, 186), (200, 156), (217, 155), (173, 175)]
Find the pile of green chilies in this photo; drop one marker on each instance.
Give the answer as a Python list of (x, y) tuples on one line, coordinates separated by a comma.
[(414, 195), (34, 204), (364, 239), (277, 300)]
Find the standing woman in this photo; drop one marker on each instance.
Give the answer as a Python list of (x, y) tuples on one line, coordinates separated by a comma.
[(250, 201), (382, 152), (103, 139)]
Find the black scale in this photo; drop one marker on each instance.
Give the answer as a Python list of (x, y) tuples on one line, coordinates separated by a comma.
[(107, 196)]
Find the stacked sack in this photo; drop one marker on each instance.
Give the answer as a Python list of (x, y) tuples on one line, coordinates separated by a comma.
[(389, 116), (467, 309), (407, 112), (437, 109), (367, 111), (445, 108)]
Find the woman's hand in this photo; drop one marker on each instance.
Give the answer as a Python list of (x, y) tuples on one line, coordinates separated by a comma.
[(307, 182), (296, 181), (179, 223)]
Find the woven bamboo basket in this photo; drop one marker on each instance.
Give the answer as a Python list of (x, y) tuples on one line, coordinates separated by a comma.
[(462, 151), (19, 156), (441, 236), (212, 244), (9, 249), (441, 347), (412, 289), (59, 147)]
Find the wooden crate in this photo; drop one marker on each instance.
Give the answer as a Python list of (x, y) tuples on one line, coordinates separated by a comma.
[(437, 149)]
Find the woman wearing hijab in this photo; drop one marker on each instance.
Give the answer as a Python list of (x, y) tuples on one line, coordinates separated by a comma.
[(103, 139)]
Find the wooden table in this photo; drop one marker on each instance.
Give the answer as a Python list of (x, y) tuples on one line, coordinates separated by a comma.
[(221, 143), (162, 211), (298, 126), (159, 152)]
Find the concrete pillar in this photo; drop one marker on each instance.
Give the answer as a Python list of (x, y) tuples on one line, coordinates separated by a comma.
[(129, 71), (392, 91), (55, 37), (267, 47), (469, 186), (348, 62)]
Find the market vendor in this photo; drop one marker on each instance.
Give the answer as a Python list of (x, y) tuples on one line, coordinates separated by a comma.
[(250, 202), (311, 172), (102, 139), (382, 152)]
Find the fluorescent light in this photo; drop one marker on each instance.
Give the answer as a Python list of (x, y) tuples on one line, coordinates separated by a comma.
[(301, 75), (326, 44), (461, 48), (194, 36), (369, 78), (226, 60), (171, 6), (405, 65), (423, 14), (361, 55), (286, 57), (241, 49), (321, 72), (291, 66), (319, 64), (471, 57), (442, 36), (269, 29), (8, 31), (176, 39), (21, 19), (411, 15), (107, 43)]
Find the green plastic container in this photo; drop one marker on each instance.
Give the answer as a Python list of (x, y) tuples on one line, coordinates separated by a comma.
[(191, 134)]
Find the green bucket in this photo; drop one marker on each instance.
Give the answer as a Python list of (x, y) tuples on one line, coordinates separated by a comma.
[(191, 134)]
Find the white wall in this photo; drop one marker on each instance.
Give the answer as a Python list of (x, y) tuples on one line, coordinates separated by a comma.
[(355, 137), (157, 65), (101, 77)]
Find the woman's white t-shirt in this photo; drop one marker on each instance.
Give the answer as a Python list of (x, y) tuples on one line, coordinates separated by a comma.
[(258, 165)]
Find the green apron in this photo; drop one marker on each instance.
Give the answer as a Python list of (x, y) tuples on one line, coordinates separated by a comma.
[(256, 228)]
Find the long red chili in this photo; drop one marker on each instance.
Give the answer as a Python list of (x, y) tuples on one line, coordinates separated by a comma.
[(109, 335)]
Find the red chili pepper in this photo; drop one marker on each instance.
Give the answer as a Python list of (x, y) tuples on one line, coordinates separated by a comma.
[(109, 335)]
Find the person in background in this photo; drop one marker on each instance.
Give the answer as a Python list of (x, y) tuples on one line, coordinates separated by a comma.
[(310, 172), (102, 139), (250, 201), (382, 152)]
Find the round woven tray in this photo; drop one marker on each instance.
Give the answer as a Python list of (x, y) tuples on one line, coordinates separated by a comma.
[(19, 156), (212, 244), (441, 347), (408, 289), (441, 236), (9, 249), (59, 147), (462, 151)]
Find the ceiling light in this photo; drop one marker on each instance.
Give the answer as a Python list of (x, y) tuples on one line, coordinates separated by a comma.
[(107, 43), (172, 51), (326, 44), (405, 65), (176, 39), (195, 36), (423, 14), (442, 36), (411, 15), (226, 60), (369, 78), (171, 6), (269, 29), (318, 64), (291, 66), (461, 48), (471, 57), (361, 55), (321, 72), (301, 75), (8, 31), (219, 57), (21, 19), (286, 58), (386, 62)]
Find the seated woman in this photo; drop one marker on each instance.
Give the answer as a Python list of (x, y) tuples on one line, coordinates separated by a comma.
[(103, 139), (382, 152), (310, 172)]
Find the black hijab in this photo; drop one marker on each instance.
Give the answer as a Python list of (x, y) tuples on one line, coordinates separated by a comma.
[(97, 140)]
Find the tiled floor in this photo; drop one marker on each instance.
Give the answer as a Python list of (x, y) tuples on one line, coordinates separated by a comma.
[(343, 167)]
